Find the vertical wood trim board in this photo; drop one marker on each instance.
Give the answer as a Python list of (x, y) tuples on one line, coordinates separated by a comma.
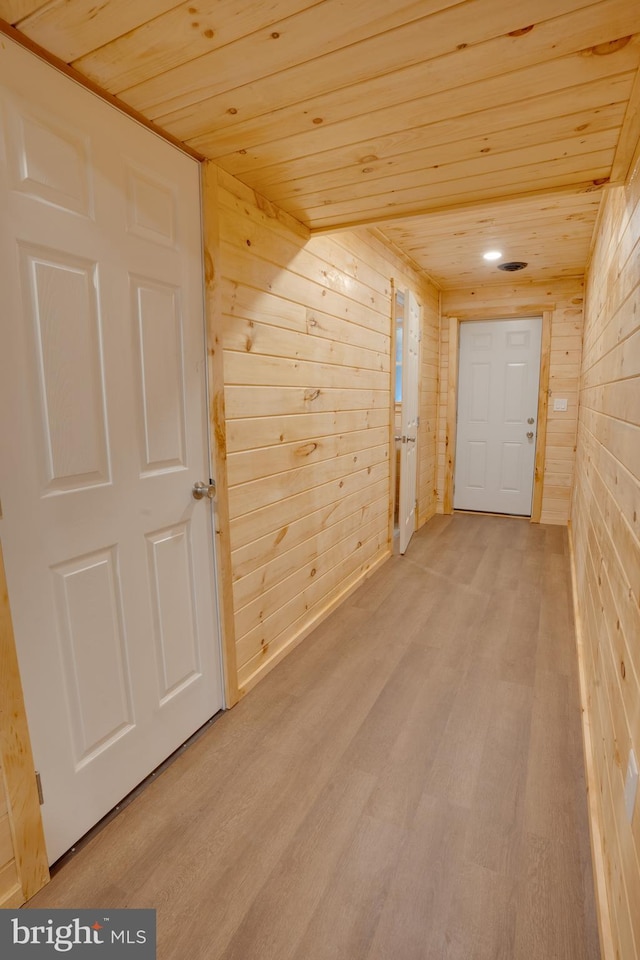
[(217, 425), (563, 301), (606, 542), (452, 409), (428, 427), (23, 874), (541, 418), (306, 335), (393, 469)]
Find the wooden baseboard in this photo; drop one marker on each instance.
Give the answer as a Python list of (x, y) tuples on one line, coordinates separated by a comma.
[(13, 899), (280, 654), (603, 909)]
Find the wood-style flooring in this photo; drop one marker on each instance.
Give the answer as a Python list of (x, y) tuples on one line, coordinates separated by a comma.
[(407, 784)]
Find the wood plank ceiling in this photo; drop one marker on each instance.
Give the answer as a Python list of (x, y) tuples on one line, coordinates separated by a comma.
[(449, 124)]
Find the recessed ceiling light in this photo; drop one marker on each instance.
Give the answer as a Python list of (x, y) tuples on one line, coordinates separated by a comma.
[(492, 255)]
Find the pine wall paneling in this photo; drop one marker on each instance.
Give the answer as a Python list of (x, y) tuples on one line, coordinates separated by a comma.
[(23, 858), (308, 364), (605, 535), (563, 299)]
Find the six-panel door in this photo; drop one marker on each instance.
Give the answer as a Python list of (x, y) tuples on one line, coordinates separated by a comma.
[(103, 421), (498, 378)]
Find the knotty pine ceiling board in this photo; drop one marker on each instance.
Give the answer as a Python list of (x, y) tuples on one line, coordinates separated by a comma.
[(391, 112), (552, 234)]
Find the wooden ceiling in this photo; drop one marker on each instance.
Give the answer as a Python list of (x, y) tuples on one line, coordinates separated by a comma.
[(476, 120)]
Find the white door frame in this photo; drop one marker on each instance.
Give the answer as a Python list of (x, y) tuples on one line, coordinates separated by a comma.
[(543, 400)]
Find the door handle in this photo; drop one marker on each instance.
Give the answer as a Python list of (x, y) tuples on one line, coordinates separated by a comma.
[(201, 490), (530, 434)]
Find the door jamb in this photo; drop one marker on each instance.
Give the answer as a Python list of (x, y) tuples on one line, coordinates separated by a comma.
[(217, 429), (543, 402)]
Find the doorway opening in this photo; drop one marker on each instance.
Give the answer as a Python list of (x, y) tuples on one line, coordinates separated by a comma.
[(499, 421)]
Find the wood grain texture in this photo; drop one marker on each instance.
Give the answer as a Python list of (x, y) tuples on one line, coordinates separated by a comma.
[(606, 544), (306, 335), (360, 113), (420, 799), (563, 299), (217, 422), (22, 846), (541, 417)]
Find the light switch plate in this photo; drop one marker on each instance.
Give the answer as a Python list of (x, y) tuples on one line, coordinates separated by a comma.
[(560, 405)]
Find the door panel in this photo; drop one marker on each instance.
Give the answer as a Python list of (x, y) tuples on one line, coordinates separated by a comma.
[(91, 631), (61, 310), (103, 426), (499, 371), (160, 374)]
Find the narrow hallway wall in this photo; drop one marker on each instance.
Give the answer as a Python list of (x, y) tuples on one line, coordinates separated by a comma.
[(606, 542), (306, 332)]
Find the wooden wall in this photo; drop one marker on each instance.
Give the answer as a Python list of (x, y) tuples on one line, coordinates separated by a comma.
[(306, 334), (10, 886), (564, 298), (606, 543), (23, 857)]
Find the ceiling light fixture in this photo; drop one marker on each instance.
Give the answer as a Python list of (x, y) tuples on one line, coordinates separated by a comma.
[(492, 255)]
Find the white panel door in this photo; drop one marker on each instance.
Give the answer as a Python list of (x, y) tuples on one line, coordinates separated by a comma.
[(498, 378), (408, 450), (103, 426)]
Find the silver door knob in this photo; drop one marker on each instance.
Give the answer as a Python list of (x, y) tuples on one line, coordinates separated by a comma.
[(530, 434), (201, 490)]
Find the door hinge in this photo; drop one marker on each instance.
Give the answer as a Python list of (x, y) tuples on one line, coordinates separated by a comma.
[(39, 786)]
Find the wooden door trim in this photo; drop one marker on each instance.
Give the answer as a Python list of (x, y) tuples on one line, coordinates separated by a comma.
[(217, 428), (18, 766), (392, 417), (543, 408), (543, 400)]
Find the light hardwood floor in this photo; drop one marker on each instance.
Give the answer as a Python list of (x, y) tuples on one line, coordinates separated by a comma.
[(407, 784)]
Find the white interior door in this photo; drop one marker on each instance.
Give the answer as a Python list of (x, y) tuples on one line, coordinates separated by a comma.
[(103, 426), (498, 380), (408, 449)]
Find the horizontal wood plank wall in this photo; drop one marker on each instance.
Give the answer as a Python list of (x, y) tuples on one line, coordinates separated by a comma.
[(606, 544), (565, 300), (307, 372)]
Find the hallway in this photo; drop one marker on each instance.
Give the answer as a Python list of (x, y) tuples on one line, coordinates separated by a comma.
[(408, 783)]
